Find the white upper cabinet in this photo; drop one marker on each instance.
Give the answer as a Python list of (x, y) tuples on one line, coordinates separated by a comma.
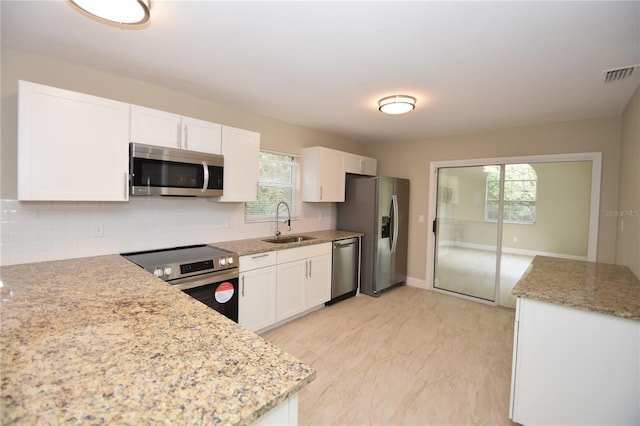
[(71, 146), (323, 174), (153, 127), (357, 164), (241, 151), (200, 135)]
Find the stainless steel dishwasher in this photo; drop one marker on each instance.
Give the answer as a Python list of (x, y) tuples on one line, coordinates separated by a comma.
[(345, 274)]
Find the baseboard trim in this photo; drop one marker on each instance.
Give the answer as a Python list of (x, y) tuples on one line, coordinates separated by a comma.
[(511, 250), (417, 282)]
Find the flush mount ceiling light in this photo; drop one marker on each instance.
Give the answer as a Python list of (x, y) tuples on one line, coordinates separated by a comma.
[(397, 104), (120, 12)]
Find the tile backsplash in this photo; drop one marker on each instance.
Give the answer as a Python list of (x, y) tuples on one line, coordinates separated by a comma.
[(41, 231)]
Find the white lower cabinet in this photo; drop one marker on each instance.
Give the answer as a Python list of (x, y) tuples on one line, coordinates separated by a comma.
[(318, 283), (290, 299), (278, 285), (284, 414), (304, 279), (257, 301), (574, 367)]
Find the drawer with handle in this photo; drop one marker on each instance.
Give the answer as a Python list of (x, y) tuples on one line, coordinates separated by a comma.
[(257, 260)]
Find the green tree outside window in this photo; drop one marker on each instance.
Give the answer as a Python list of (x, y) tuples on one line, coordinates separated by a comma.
[(520, 194), (278, 180)]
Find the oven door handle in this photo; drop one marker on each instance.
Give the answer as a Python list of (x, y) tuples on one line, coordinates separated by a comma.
[(201, 280)]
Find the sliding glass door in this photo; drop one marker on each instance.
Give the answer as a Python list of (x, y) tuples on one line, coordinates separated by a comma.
[(491, 221), (466, 248)]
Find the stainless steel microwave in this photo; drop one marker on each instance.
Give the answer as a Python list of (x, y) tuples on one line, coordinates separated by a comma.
[(156, 170)]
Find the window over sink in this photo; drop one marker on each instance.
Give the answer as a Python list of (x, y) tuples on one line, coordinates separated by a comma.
[(278, 180)]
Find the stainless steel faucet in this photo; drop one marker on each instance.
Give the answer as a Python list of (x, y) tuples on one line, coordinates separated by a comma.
[(288, 221)]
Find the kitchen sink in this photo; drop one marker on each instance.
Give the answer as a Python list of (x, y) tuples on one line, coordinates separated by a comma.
[(288, 239)]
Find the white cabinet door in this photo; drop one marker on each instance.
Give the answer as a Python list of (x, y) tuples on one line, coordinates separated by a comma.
[(241, 150), (574, 367), (284, 414), (304, 279), (161, 128), (290, 293), (369, 166), (318, 283), (71, 146), (360, 165), (154, 127), (323, 175), (257, 303), (200, 135)]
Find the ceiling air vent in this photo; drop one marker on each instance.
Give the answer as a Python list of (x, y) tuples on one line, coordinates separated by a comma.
[(620, 73)]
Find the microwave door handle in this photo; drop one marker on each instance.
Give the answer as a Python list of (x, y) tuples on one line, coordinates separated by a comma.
[(205, 169)]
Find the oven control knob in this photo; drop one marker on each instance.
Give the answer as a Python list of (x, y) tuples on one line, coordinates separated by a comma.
[(223, 261), (168, 271), (230, 260), (158, 272)]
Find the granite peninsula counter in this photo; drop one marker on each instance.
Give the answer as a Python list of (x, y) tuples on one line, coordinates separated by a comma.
[(98, 340), (597, 287)]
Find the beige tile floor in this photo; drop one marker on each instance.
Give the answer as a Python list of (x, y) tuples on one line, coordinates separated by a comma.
[(409, 357), (472, 272)]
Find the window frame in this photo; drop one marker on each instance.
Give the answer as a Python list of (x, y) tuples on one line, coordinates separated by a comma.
[(296, 199), (507, 203)]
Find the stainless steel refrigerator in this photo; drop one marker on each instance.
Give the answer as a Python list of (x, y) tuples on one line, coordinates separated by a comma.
[(379, 208)]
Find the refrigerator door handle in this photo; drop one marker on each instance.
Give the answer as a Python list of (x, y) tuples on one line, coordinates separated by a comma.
[(394, 235)]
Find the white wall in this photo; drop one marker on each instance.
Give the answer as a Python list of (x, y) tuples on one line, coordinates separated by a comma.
[(411, 160), (628, 211), (40, 231)]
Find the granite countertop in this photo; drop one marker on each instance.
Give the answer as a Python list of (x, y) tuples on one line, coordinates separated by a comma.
[(98, 340), (598, 287), (258, 245)]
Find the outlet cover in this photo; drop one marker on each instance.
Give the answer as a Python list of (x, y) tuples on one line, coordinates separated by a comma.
[(98, 231)]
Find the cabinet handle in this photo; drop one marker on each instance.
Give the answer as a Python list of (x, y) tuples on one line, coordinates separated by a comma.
[(321, 192), (243, 286), (185, 136), (126, 185), (306, 269), (178, 130), (309, 268), (258, 256)]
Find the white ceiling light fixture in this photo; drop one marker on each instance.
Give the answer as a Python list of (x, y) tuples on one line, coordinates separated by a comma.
[(119, 12), (397, 104)]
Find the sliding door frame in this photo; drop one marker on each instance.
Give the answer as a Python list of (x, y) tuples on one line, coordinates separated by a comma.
[(594, 212)]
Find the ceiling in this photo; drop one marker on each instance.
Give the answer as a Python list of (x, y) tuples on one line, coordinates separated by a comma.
[(473, 66)]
